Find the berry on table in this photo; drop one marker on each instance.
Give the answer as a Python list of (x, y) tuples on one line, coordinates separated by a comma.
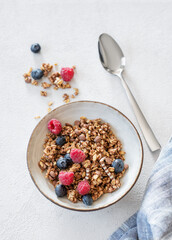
[(83, 187), (87, 199), (67, 73), (66, 178), (61, 140), (68, 158), (54, 126), (77, 155), (60, 190), (62, 163), (118, 165), (35, 48), (37, 74)]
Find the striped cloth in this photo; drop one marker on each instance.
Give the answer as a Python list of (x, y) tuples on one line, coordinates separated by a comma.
[(154, 219)]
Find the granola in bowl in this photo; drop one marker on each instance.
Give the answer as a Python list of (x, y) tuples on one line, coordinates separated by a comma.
[(84, 160)]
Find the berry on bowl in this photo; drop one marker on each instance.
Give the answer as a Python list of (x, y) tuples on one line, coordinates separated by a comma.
[(67, 74), (68, 159), (37, 74), (35, 48), (62, 163), (83, 187), (55, 126), (87, 199), (66, 178), (61, 140), (60, 190), (77, 155), (118, 165)]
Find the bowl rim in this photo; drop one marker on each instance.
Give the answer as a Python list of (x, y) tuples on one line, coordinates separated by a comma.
[(79, 209)]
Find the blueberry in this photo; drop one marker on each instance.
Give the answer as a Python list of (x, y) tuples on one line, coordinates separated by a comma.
[(35, 48), (68, 158), (62, 163), (87, 199), (37, 74), (118, 164), (61, 140), (60, 190)]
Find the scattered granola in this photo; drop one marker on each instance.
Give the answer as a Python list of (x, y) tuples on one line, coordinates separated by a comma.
[(53, 77), (76, 91), (35, 83), (50, 103), (43, 93), (49, 109), (59, 82), (30, 70), (46, 68), (55, 80), (55, 88), (66, 98), (37, 117), (96, 169), (27, 78), (45, 85)]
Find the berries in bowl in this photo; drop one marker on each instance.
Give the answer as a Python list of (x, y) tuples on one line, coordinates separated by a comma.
[(81, 163)]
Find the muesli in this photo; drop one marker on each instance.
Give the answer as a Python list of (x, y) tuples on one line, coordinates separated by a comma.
[(84, 160)]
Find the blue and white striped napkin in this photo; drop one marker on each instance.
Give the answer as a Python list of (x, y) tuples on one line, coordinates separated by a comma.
[(154, 219)]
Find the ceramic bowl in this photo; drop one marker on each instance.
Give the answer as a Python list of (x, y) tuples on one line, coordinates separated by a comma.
[(122, 127)]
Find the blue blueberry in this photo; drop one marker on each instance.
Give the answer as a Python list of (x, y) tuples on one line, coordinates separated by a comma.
[(68, 158), (118, 164), (37, 74), (61, 140), (35, 48), (60, 190), (62, 163), (87, 200)]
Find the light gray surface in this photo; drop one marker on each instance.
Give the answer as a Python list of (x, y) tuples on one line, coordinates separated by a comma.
[(68, 32)]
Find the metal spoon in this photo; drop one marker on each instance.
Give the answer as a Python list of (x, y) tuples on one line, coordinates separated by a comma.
[(113, 60)]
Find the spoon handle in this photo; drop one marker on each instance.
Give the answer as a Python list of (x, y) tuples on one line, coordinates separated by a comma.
[(146, 129)]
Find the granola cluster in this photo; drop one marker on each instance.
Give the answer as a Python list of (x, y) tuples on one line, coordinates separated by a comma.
[(54, 79), (46, 68), (97, 141)]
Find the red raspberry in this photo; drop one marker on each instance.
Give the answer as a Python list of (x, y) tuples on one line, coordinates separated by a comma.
[(66, 178), (54, 126), (67, 74), (83, 187), (77, 155)]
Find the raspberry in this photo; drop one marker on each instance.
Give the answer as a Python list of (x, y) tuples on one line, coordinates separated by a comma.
[(77, 155), (83, 187), (54, 126), (67, 74), (66, 178)]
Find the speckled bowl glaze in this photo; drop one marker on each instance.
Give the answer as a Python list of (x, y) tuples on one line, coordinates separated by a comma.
[(122, 127)]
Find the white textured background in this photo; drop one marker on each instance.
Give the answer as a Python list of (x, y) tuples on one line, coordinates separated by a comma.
[(68, 32)]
